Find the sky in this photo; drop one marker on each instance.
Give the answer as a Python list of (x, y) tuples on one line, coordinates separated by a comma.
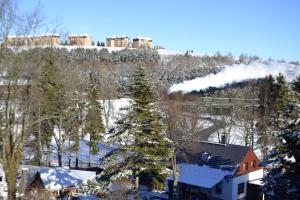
[(266, 28)]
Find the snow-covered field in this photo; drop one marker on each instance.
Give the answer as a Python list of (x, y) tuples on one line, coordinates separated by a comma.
[(116, 112)]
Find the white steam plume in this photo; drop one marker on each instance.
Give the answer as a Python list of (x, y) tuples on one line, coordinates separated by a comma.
[(237, 73)]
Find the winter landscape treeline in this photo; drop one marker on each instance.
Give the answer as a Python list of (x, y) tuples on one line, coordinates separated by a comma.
[(60, 111), (50, 100)]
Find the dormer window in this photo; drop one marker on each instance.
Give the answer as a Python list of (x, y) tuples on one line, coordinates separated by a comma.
[(246, 167), (205, 157), (253, 163)]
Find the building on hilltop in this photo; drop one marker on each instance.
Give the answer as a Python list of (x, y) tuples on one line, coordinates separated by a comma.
[(139, 42), (80, 40), (33, 40), (118, 41), (218, 171)]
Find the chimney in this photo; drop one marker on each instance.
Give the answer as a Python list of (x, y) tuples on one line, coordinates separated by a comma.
[(23, 181), (224, 138)]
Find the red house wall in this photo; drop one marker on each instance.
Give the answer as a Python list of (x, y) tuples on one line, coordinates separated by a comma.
[(250, 156)]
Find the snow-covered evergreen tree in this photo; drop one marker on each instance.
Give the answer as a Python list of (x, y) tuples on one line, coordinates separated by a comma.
[(282, 93), (73, 122), (296, 86), (283, 162), (144, 146), (93, 123), (52, 92)]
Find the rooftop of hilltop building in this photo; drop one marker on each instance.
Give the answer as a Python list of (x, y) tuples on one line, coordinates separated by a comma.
[(142, 38), (38, 35), (116, 36), (80, 35)]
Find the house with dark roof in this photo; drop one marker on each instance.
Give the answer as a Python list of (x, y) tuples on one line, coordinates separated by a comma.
[(217, 171)]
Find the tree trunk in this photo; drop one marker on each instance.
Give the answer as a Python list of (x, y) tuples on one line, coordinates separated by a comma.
[(70, 154), (40, 148), (49, 155), (136, 183), (60, 143), (76, 160), (11, 174), (89, 159), (59, 160), (175, 178), (252, 127)]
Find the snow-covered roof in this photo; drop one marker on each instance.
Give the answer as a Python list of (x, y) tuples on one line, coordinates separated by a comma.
[(142, 38), (257, 182), (202, 176), (86, 197), (28, 36), (79, 35), (116, 36), (57, 178)]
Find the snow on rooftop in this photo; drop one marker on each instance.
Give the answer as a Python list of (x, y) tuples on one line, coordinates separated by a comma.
[(143, 38), (86, 197), (117, 36), (202, 176), (57, 178), (257, 182), (40, 35), (79, 35)]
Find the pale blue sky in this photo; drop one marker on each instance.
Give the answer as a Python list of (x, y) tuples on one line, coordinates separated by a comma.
[(267, 28)]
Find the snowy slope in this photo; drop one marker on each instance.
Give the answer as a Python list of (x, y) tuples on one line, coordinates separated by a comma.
[(238, 73)]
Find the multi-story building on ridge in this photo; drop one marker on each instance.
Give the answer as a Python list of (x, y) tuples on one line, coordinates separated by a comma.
[(116, 41), (33, 40), (139, 42), (80, 40)]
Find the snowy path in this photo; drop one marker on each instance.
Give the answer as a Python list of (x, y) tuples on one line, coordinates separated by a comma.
[(203, 134)]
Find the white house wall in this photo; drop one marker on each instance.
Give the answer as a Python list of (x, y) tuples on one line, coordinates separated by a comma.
[(226, 190), (230, 185), (258, 174)]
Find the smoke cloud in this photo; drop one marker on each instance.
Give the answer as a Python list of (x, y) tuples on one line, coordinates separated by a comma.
[(238, 73)]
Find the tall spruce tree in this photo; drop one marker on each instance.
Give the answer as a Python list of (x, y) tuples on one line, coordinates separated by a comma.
[(52, 93), (267, 98), (281, 93), (296, 86), (283, 162), (73, 123), (93, 123), (144, 147)]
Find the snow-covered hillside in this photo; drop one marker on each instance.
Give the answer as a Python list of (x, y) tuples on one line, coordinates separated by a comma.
[(237, 73)]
